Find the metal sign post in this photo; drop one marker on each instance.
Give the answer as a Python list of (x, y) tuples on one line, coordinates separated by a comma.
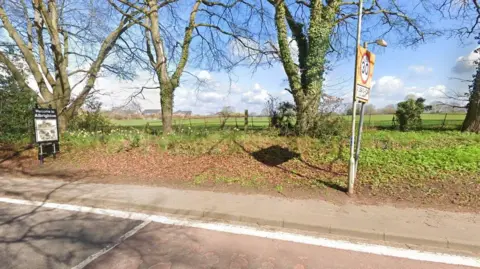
[(351, 168), (364, 63), (366, 66)]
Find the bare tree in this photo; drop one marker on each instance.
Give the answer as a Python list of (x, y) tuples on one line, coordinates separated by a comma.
[(65, 44), (472, 119), (204, 37), (323, 28), (466, 14), (225, 114)]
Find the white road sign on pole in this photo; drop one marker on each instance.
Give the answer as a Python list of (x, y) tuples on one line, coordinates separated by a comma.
[(365, 64)]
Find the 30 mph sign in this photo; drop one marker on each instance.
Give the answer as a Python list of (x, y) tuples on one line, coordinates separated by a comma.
[(365, 63)]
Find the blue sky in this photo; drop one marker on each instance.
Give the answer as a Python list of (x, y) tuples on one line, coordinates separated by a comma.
[(425, 70)]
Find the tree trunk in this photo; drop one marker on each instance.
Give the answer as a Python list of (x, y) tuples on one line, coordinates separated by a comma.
[(166, 101), (472, 120), (307, 108), (62, 122)]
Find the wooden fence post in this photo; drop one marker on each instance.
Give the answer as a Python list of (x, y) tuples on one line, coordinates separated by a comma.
[(444, 120), (245, 127), (236, 122), (252, 121)]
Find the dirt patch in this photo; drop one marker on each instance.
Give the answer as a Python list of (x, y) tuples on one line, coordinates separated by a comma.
[(273, 171)]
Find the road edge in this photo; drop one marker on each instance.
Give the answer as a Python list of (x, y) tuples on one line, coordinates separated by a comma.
[(385, 236)]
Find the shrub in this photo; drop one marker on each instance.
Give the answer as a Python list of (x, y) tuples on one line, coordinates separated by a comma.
[(284, 117), (16, 116), (91, 120), (409, 113), (327, 126)]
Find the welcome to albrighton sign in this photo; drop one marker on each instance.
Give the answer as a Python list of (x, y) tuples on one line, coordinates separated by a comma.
[(46, 131), (365, 64)]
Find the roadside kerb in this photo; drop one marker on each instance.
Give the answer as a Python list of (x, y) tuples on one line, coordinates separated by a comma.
[(377, 235)]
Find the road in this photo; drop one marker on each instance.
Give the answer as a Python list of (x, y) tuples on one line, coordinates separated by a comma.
[(39, 237)]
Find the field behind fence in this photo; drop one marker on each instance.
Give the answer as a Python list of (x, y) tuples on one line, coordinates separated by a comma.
[(429, 121)]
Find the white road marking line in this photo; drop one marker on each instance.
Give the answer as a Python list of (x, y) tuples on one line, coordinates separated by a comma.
[(106, 249), (244, 230)]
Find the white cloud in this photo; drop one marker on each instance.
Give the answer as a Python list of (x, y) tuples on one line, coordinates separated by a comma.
[(256, 96), (390, 89), (387, 86), (430, 93), (436, 91), (420, 70), (235, 88), (210, 97), (204, 75), (465, 64)]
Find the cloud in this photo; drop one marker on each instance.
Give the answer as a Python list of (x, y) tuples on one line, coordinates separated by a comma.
[(387, 86), (204, 75), (420, 70), (256, 96), (430, 93), (210, 97), (465, 64), (390, 89), (235, 88)]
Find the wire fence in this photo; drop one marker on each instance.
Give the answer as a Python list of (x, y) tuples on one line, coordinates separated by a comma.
[(429, 121)]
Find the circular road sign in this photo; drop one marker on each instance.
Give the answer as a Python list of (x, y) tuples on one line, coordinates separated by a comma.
[(365, 67)]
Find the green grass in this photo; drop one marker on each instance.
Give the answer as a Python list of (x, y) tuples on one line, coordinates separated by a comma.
[(197, 122), (396, 164), (429, 120)]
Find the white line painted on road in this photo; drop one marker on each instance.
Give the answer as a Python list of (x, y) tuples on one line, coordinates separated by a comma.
[(245, 230), (122, 238)]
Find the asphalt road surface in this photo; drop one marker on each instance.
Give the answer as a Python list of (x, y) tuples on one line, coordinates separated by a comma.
[(37, 237)]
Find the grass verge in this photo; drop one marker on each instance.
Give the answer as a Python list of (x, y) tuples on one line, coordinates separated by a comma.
[(431, 168)]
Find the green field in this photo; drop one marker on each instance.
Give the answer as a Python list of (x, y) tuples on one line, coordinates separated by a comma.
[(429, 120)]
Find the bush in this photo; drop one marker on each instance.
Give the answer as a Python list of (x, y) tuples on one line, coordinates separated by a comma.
[(327, 126), (16, 116), (91, 120), (284, 117), (409, 114)]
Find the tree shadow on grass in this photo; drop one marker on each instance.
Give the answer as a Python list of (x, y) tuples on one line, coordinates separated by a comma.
[(276, 155)]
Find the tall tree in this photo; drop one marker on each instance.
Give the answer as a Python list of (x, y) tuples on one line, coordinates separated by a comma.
[(64, 44), (169, 32), (466, 17), (321, 28), (472, 119)]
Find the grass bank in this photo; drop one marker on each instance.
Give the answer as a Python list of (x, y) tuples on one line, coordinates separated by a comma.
[(431, 168)]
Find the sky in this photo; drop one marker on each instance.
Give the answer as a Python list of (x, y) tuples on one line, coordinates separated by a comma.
[(428, 71)]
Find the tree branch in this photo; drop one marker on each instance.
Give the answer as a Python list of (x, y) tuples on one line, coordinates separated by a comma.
[(28, 56), (282, 35), (187, 39)]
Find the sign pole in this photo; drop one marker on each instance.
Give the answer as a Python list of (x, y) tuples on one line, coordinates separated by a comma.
[(351, 170), (359, 136), (360, 129)]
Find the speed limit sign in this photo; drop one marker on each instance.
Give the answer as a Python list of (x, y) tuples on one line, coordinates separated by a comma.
[(364, 69)]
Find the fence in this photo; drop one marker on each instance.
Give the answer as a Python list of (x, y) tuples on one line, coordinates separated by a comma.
[(429, 121)]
